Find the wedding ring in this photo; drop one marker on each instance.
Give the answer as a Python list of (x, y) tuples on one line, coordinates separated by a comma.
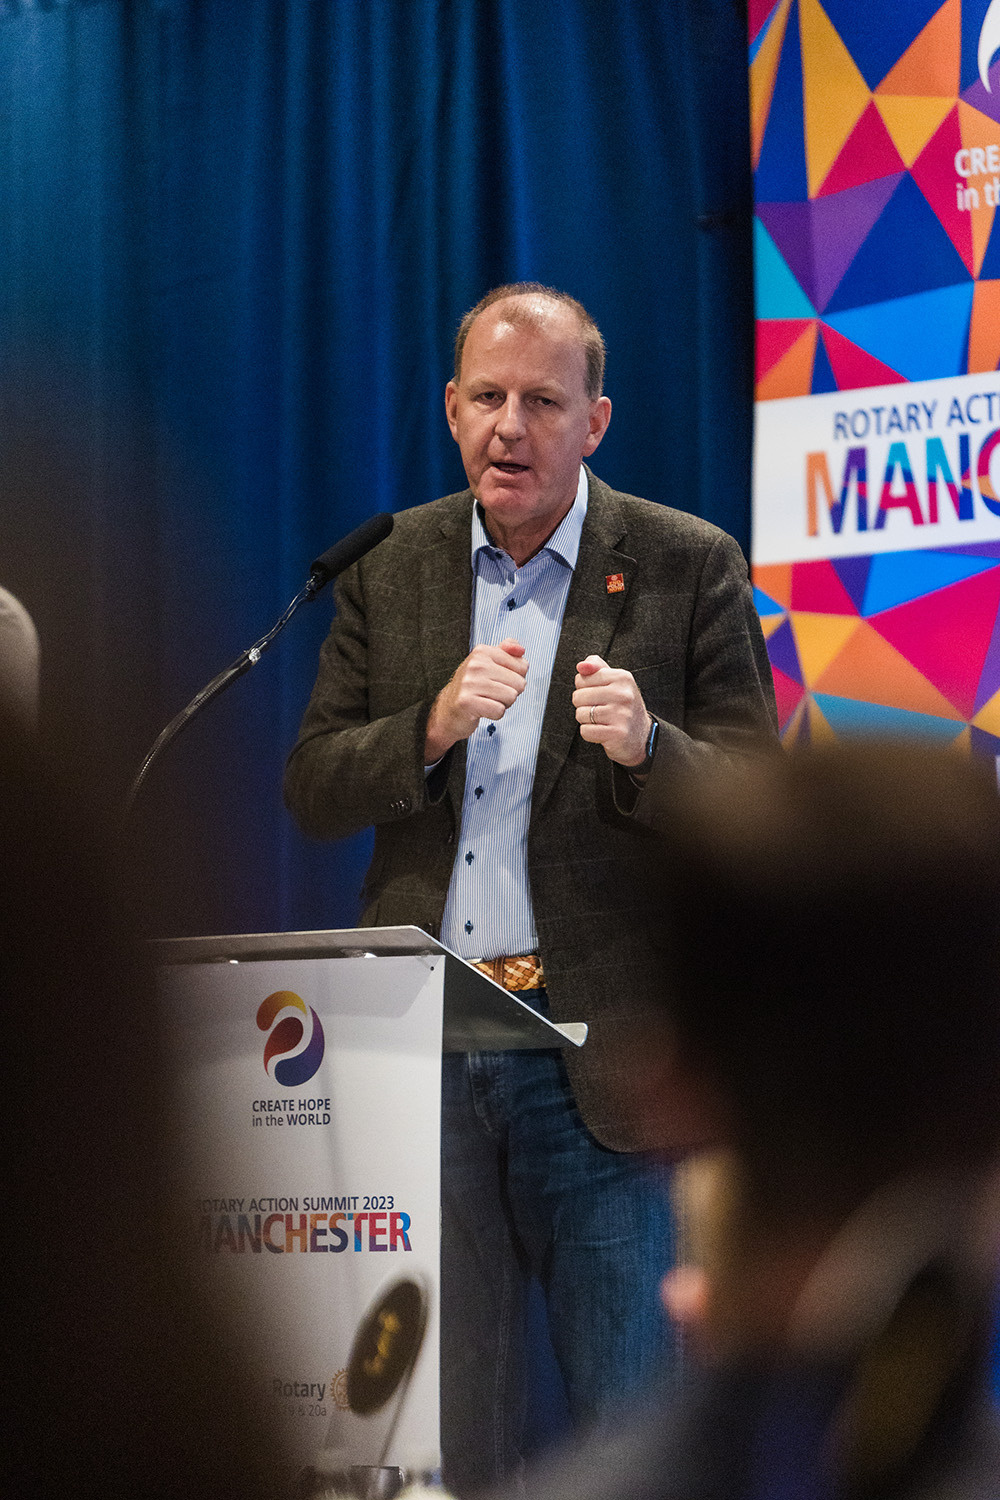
[(592, 719)]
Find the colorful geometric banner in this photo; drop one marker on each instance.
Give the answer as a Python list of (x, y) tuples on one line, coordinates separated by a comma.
[(876, 149)]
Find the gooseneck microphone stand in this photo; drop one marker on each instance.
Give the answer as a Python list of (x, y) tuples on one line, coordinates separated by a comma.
[(338, 557)]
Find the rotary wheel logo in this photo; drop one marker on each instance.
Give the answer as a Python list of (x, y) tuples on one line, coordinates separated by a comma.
[(290, 1056), (338, 1390)]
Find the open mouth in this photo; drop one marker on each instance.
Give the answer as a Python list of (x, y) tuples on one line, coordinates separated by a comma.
[(510, 468)]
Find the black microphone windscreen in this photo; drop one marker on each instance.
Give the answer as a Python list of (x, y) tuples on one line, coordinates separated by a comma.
[(357, 542)]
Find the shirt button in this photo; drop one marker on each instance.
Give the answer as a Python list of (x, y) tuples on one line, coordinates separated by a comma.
[(469, 857), (511, 603), (492, 729), (468, 926), (479, 791)]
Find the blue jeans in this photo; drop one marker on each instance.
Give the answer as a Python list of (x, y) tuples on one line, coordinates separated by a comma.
[(527, 1191)]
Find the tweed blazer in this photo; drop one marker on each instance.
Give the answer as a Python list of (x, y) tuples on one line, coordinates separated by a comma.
[(683, 623)]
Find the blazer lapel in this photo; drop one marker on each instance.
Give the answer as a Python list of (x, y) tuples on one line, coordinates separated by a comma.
[(445, 604), (445, 596), (593, 607)]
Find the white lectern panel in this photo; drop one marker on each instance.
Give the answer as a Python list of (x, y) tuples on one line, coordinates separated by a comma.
[(307, 1095)]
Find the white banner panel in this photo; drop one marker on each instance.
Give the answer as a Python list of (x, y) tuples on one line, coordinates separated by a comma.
[(886, 469)]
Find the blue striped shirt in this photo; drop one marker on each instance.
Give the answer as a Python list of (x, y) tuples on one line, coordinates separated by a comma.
[(488, 911)]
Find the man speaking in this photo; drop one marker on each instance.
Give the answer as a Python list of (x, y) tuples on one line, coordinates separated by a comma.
[(508, 679)]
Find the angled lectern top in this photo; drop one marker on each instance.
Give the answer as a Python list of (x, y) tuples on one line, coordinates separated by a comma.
[(479, 1015)]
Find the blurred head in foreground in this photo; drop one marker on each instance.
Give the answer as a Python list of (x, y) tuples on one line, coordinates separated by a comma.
[(832, 937), (115, 1375), (831, 924), (831, 1022)]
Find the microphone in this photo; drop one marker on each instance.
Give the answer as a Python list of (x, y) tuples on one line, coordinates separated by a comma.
[(350, 548), (333, 561)]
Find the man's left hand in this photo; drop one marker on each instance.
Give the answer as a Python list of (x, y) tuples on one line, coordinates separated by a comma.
[(610, 711)]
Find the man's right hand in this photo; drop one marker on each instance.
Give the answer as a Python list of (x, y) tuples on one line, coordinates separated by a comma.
[(483, 687)]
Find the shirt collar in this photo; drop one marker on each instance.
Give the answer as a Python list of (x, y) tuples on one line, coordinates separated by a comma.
[(564, 542)]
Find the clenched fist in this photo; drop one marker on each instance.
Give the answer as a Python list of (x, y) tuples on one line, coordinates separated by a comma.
[(483, 687), (610, 711)]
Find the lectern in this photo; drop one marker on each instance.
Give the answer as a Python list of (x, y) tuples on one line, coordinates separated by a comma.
[(306, 1087)]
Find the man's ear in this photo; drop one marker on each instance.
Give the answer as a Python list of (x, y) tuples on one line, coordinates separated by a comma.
[(600, 416), (451, 407)]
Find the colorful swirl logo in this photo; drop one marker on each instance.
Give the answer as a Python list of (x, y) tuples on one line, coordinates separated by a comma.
[(292, 1067)]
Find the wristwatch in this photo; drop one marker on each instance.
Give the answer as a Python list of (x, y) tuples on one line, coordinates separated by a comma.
[(644, 767)]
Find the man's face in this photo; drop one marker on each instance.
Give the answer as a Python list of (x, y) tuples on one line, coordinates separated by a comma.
[(520, 413)]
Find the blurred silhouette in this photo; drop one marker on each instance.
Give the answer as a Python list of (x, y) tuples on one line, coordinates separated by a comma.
[(113, 1380), (831, 943)]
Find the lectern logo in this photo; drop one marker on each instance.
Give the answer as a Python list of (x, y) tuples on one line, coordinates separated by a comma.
[(285, 1059)]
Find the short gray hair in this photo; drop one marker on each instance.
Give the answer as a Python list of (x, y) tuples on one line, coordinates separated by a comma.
[(590, 335)]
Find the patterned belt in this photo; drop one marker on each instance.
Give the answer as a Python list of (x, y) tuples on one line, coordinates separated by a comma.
[(524, 973)]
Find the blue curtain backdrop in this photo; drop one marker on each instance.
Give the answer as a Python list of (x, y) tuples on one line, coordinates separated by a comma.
[(236, 237)]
